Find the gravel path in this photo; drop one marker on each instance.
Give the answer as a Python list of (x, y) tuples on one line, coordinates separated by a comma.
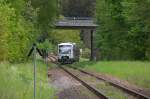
[(67, 87)]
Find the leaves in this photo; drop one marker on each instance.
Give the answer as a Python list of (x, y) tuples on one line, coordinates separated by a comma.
[(22, 22), (123, 31), (15, 33), (59, 36), (77, 8)]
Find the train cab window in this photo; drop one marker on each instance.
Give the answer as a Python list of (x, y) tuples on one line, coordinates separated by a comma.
[(65, 49)]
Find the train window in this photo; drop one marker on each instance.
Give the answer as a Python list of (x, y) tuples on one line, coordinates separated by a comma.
[(65, 49), (64, 45)]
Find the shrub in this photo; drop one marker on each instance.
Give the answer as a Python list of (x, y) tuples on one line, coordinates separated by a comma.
[(86, 53), (16, 34)]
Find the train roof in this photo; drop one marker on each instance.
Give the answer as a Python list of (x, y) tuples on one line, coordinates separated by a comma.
[(69, 43)]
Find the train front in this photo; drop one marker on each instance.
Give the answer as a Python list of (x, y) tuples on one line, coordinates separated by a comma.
[(65, 53)]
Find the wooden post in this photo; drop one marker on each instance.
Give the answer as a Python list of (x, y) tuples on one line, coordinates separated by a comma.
[(92, 47)]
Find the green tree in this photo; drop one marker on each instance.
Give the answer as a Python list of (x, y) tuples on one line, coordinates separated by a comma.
[(111, 33), (78, 8), (138, 35), (17, 34), (46, 14), (124, 29), (5, 16), (59, 36)]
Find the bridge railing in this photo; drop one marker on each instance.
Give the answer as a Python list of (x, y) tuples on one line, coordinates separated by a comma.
[(76, 18), (75, 21)]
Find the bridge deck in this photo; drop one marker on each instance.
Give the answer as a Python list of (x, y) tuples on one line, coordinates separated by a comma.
[(76, 24)]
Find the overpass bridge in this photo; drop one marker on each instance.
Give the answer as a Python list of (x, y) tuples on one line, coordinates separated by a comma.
[(78, 23)]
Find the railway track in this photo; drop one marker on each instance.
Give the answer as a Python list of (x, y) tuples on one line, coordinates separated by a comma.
[(52, 58), (125, 89), (95, 91), (92, 89)]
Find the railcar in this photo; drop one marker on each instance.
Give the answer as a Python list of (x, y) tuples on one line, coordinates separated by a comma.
[(68, 53)]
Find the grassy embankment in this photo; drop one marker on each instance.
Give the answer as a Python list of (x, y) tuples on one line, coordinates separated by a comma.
[(135, 72), (16, 81)]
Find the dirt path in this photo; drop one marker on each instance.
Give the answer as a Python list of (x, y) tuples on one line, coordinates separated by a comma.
[(67, 87)]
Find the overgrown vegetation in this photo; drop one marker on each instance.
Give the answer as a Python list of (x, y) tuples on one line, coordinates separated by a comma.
[(124, 29), (16, 81), (77, 8), (61, 35), (135, 72), (21, 25), (123, 33), (14, 33)]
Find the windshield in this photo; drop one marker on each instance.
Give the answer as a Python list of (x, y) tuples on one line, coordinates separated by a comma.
[(65, 49)]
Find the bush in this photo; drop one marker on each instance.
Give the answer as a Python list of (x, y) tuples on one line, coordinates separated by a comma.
[(6, 15), (16, 34), (19, 41), (86, 53), (46, 45)]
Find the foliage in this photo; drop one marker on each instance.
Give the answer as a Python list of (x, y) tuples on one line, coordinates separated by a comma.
[(5, 15), (16, 33), (47, 10), (123, 32), (46, 45), (22, 21), (124, 29), (58, 36), (77, 8), (86, 53)]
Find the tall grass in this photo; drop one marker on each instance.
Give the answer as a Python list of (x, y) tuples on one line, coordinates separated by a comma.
[(16, 81), (135, 72)]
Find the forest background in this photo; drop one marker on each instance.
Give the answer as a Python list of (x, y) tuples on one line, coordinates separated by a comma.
[(123, 32)]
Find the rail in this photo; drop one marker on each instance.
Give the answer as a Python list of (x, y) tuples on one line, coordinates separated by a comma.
[(129, 91), (92, 89)]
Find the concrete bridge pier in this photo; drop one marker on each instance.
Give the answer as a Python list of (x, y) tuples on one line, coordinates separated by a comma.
[(92, 46), (87, 36)]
